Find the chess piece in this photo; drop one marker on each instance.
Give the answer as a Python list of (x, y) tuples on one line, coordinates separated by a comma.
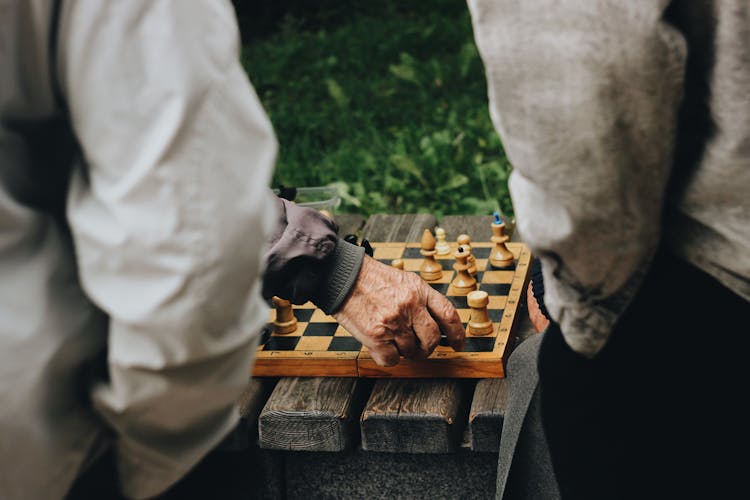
[(430, 270), (500, 256), (285, 321), (398, 264), (465, 240), (479, 321), (442, 247), (464, 282)]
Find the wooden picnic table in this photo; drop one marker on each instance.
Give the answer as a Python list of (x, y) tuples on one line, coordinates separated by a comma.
[(344, 437)]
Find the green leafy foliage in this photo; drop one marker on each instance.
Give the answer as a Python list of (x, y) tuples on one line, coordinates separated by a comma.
[(386, 101)]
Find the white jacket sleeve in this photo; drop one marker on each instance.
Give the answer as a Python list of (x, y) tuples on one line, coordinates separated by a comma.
[(170, 212), (586, 104)]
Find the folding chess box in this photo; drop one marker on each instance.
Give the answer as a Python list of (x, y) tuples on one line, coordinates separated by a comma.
[(321, 347)]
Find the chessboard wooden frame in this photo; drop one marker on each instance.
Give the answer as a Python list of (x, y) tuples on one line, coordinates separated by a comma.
[(444, 362)]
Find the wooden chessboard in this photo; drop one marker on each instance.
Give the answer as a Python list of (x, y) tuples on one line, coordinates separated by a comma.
[(320, 347)]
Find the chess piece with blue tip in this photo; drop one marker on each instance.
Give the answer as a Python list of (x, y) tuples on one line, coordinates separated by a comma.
[(500, 257)]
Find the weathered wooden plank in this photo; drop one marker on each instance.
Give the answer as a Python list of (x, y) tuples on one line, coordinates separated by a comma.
[(403, 227), (411, 415), (414, 416), (487, 414), (316, 413), (311, 413)]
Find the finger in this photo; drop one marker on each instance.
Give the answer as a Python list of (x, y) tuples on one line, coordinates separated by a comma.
[(385, 354), (406, 342), (447, 319), (427, 332)]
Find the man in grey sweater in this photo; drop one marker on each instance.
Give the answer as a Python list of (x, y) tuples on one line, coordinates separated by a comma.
[(628, 127)]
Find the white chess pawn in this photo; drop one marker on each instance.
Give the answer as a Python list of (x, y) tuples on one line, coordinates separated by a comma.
[(479, 322), (442, 246)]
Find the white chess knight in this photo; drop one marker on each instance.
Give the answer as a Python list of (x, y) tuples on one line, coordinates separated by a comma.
[(442, 247)]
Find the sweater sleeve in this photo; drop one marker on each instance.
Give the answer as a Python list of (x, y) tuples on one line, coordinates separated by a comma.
[(306, 260)]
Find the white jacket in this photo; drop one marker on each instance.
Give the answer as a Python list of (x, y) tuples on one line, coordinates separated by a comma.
[(167, 209)]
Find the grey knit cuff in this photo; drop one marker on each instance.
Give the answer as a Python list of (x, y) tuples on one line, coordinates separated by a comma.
[(345, 264)]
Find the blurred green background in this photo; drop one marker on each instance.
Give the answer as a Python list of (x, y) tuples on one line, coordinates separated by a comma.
[(386, 100)]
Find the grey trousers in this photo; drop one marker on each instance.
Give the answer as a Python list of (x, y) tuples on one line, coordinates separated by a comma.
[(522, 443)]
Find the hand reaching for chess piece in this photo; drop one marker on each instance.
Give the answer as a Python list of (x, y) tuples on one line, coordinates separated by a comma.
[(395, 313)]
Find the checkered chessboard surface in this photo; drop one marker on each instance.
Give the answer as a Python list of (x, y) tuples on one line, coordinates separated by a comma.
[(322, 347)]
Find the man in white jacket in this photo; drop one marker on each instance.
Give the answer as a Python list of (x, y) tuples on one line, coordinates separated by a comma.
[(136, 225)]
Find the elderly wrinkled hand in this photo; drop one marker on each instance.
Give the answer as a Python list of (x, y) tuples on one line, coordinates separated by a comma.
[(395, 313)]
